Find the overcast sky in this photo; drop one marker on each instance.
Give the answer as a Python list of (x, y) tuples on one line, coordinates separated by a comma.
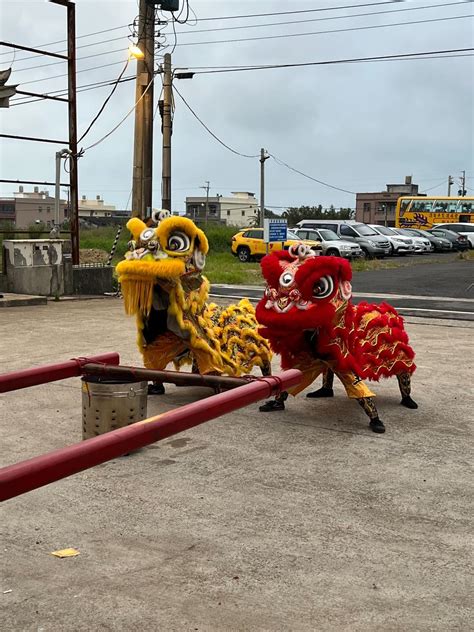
[(355, 126)]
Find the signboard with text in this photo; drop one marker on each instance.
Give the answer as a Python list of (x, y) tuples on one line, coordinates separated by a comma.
[(275, 230)]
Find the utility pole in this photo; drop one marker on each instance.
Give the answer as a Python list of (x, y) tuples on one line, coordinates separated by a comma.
[(262, 159), (143, 142), (450, 184), (206, 211), (462, 192), (72, 111), (167, 131), (59, 155)]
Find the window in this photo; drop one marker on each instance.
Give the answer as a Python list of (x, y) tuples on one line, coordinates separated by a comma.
[(366, 207), (40, 209), (212, 209), (347, 231), (363, 230), (228, 213), (243, 213), (254, 234)]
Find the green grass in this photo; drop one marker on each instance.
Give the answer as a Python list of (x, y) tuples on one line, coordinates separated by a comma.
[(223, 267)]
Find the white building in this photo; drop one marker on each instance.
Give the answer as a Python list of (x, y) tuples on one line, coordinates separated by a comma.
[(95, 208), (236, 210)]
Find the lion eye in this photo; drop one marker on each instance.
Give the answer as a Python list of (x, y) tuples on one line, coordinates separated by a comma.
[(147, 234), (179, 242), (323, 287), (286, 279)]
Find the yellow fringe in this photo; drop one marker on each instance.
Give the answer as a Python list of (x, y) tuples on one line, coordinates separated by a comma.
[(138, 296)]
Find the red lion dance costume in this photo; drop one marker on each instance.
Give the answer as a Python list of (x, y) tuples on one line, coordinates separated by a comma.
[(308, 317)]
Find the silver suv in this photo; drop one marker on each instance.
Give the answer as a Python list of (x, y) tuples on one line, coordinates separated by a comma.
[(331, 244), (371, 243)]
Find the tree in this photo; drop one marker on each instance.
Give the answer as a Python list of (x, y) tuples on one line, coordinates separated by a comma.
[(255, 220), (295, 214)]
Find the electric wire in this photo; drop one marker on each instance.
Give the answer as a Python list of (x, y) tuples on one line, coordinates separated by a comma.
[(102, 107), (259, 15), (150, 83), (440, 54), (344, 30), (301, 173), (234, 151), (286, 35), (227, 28)]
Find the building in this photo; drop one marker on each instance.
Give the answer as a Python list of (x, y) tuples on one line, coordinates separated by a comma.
[(379, 208), (95, 208), (237, 210), (31, 207)]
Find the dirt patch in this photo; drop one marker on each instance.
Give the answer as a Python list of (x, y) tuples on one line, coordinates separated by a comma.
[(93, 255)]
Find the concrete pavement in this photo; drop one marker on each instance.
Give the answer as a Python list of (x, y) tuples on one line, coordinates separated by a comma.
[(302, 520)]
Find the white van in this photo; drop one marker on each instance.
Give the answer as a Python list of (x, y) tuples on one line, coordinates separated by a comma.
[(371, 243)]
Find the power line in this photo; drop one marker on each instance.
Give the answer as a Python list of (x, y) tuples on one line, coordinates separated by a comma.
[(238, 153), (439, 54), (102, 107), (231, 17), (336, 17), (122, 121), (326, 184), (345, 30)]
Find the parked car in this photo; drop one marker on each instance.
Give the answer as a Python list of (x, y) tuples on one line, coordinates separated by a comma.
[(440, 244), (422, 244), (249, 244), (331, 244), (371, 243), (462, 228), (399, 244), (459, 242)]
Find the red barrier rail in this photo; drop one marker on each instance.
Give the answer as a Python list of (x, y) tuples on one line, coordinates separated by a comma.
[(47, 468), (51, 372)]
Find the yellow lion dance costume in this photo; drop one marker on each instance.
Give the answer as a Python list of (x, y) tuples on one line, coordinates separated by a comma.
[(163, 286)]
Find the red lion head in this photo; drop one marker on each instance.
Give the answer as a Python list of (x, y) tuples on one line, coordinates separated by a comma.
[(303, 291)]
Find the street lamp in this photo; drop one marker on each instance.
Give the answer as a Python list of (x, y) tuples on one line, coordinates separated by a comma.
[(135, 52)]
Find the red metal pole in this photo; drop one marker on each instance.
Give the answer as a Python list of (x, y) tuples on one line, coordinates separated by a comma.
[(51, 372), (42, 470)]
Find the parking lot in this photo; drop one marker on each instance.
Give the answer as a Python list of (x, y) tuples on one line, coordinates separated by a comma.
[(304, 520)]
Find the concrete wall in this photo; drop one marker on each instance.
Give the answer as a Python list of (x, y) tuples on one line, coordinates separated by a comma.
[(92, 280), (34, 266)]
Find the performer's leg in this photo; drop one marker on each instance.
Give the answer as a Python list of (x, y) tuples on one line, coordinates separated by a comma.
[(327, 388), (274, 404), (370, 409), (357, 389), (404, 382)]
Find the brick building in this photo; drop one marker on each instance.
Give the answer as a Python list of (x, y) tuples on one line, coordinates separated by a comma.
[(379, 208)]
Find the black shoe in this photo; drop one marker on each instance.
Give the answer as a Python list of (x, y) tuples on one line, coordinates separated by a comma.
[(271, 405), (408, 402), (156, 388), (376, 425), (321, 392)]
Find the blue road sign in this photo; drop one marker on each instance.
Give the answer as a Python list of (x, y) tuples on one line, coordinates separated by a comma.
[(275, 230)]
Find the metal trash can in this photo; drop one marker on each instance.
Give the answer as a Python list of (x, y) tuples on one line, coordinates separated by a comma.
[(108, 404)]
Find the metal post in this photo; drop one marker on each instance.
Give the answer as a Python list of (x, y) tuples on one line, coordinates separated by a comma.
[(57, 188), (143, 142), (28, 475), (167, 131), (463, 184), (450, 183), (51, 372), (72, 107), (262, 186), (206, 208)]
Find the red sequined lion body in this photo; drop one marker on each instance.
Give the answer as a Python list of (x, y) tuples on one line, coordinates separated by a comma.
[(308, 316)]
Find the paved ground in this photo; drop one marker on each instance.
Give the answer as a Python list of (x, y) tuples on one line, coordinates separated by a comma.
[(436, 290), (299, 521)]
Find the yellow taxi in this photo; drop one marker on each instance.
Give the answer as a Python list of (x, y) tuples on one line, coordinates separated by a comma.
[(249, 244)]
